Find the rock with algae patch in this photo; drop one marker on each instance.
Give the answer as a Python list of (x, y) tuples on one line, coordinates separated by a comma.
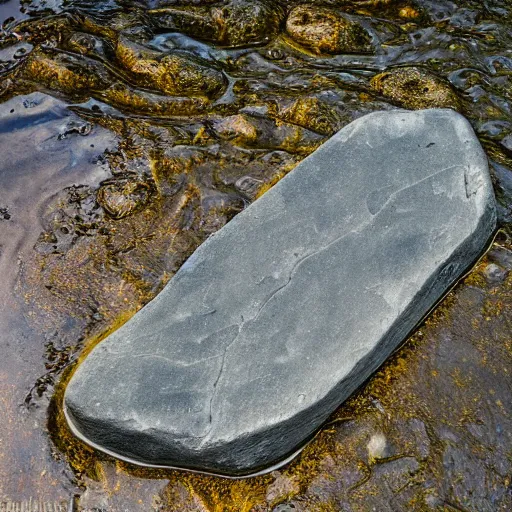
[(174, 73), (264, 330), (416, 88), (65, 73), (120, 198), (324, 30), (233, 23)]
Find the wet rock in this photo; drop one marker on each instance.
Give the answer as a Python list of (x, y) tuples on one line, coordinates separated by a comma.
[(502, 257), (264, 133), (234, 23), (281, 488), (5, 214), (494, 274), (421, 440), (247, 22), (121, 198), (312, 113), (132, 23), (377, 447), (62, 72), (506, 142), (116, 491), (415, 88), (264, 330), (86, 44), (326, 31), (396, 474), (288, 507), (128, 98), (174, 73), (252, 177), (193, 22), (217, 209)]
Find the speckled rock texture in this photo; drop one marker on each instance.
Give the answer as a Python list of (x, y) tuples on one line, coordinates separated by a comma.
[(288, 309)]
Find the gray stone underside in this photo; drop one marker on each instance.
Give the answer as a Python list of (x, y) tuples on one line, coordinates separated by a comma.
[(287, 310)]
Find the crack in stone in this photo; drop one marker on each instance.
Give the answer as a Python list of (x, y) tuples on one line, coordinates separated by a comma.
[(179, 364), (359, 229), (409, 186), (221, 369)]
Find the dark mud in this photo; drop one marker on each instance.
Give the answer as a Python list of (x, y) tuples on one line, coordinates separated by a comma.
[(131, 131)]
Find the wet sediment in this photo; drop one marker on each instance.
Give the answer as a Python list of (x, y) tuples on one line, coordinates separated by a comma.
[(207, 114)]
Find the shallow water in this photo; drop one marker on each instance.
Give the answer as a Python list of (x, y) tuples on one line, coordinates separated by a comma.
[(101, 202), (36, 165)]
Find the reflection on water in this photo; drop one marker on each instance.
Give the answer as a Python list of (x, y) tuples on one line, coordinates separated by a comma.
[(132, 131), (38, 161), (10, 9)]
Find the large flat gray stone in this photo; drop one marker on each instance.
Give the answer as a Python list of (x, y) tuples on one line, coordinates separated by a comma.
[(287, 310)]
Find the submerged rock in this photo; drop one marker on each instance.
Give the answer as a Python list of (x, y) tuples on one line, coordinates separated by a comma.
[(326, 31), (416, 88), (175, 73), (264, 133), (88, 44), (243, 22), (234, 23), (309, 112), (120, 198), (61, 72), (280, 316)]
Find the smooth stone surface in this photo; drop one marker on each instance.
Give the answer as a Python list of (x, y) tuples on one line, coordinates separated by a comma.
[(287, 310)]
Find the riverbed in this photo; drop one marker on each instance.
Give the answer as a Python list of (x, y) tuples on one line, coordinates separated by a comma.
[(111, 179)]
